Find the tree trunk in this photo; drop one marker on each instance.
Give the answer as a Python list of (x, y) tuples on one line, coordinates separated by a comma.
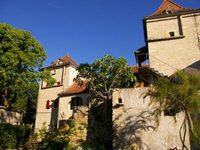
[(184, 127), (191, 126)]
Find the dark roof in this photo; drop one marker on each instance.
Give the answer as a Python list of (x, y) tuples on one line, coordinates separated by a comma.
[(142, 50), (141, 54), (74, 89), (63, 61)]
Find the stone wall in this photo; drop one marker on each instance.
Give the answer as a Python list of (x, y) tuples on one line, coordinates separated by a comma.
[(79, 135), (11, 117), (136, 127)]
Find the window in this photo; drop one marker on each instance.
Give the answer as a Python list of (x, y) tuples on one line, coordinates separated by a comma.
[(171, 34), (53, 72), (76, 101), (120, 100), (168, 11)]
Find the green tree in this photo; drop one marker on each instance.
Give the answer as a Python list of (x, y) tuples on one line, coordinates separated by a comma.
[(181, 92), (103, 76), (21, 56)]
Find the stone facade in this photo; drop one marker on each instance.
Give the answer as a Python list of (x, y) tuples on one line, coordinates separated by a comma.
[(64, 76), (173, 41), (136, 127)]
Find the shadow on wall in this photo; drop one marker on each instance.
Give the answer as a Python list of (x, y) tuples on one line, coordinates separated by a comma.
[(54, 115), (100, 132), (193, 68), (11, 117), (127, 133)]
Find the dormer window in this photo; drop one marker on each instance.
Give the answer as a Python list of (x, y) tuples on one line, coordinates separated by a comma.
[(168, 11), (58, 63)]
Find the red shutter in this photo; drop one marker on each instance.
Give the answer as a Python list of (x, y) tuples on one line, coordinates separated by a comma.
[(48, 104)]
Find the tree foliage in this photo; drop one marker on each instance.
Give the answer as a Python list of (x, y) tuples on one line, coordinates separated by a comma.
[(180, 93), (13, 136), (21, 55), (105, 74)]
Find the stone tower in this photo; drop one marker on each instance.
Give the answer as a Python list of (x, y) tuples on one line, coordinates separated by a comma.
[(172, 36), (64, 71)]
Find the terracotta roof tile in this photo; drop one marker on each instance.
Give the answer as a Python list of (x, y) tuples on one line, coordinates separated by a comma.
[(135, 69), (168, 6), (66, 60), (74, 89)]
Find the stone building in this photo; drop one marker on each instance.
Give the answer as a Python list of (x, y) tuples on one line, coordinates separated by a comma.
[(172, 38), (56, 103), (172, 42)]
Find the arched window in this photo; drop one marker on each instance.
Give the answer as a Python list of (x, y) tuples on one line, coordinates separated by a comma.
[(75, 102)]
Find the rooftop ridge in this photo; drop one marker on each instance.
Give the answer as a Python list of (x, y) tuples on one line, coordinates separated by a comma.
[(175, 4), (62, 61), (169, 6), (67, 58), (74, 88)]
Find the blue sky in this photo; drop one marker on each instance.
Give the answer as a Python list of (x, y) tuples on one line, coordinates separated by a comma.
[(84, 29)]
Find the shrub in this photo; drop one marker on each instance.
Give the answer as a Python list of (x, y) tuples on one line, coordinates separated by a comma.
[(12, 136), (54, 140)]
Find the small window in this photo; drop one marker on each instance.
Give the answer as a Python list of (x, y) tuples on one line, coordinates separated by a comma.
[(75, 102), (53, 72), (168, 11), (120, 100), (171, 34), (58, 83)]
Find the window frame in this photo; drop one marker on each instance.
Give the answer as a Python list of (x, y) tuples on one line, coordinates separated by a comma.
[(76, 102)]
